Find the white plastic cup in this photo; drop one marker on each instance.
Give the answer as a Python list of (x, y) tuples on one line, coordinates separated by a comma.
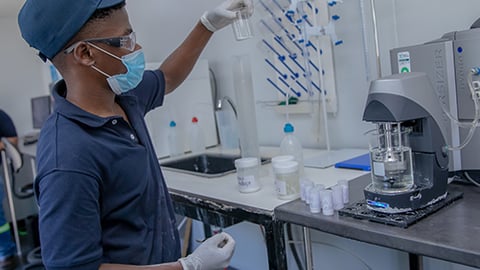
[(241, 25), (303, 187), (315, 202), (337, 195), (327, 202), (307, 190), (287, 182), (247, 174), (346, 192)]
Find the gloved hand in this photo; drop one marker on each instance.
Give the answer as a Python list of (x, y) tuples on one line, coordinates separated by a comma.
[(225, 14), (215, 253)]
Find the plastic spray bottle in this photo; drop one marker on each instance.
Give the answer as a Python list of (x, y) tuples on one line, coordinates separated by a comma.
[(290, 145), (175, 144), (197, 138)]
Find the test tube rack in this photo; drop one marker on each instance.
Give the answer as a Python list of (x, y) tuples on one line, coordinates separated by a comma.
[(298, 38)]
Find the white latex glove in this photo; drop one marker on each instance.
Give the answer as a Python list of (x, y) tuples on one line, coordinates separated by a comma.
[(225, 14), (215, 253)]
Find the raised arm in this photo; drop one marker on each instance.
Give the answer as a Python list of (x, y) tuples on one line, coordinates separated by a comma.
[(178, 65)]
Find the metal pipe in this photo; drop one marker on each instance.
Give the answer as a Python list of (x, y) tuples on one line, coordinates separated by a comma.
[(308, 249), (375, 35), (8, 191)]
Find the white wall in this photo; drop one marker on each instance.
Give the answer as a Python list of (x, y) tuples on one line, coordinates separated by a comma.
[(162, 25), (20, 75)]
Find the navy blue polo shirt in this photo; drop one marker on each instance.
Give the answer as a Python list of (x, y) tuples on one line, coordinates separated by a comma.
[(7, 128), (99, 187)]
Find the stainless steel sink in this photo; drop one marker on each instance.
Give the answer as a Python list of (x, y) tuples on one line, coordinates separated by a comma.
[(205, 165)]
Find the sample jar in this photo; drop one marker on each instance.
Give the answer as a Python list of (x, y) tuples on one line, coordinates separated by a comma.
[(248, 174), (241, 25), (287, 182)]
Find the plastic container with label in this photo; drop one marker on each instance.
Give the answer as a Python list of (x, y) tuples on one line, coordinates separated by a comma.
[(287, 182), (248, 174)]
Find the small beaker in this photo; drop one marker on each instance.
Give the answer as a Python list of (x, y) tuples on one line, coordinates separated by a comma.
[(242, 27)]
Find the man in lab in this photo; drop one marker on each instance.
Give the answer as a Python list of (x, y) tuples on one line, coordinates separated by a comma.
[(7, 247), (103, 203)]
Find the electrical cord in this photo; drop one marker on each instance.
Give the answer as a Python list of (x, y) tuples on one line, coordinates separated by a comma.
[(470, 179), (474, 123)]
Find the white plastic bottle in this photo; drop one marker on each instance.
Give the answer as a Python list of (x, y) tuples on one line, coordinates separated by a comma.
[(197, 138), (290, 145), (175, 144)]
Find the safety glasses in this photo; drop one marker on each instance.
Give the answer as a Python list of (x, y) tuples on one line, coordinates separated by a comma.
[(127, 42)]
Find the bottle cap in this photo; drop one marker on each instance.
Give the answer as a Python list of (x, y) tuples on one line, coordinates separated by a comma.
[(173, 124), (246, 162), (282, 158), (285, 167), (288, 128), (194, 120)]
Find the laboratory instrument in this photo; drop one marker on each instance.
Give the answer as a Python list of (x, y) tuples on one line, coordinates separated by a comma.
[(409, 159), (448, 62)]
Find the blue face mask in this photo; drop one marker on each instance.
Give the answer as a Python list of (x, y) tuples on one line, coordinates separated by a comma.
[(135, 64)]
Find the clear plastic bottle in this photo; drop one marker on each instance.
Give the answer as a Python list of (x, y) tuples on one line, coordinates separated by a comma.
[(290, 145), (197, 138), (175, 145)]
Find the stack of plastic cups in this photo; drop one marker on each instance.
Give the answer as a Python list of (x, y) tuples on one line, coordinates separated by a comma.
[(327, 202), (346, 193), (315, 198), (337, 196), (303, 188)]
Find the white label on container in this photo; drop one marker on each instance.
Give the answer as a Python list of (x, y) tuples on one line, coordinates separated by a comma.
[(379, 169), (246, 181), (281, 187)]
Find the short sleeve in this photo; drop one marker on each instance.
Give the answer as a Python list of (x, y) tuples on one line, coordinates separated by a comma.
[(69, 207), (151, 90)]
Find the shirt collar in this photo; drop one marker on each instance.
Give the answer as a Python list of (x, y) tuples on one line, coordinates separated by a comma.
[(73, 112)]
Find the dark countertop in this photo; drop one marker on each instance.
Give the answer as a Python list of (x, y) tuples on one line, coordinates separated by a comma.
[(451, 234)]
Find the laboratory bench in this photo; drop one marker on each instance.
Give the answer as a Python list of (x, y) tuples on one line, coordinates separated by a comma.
[(450, 234), (217, 201)]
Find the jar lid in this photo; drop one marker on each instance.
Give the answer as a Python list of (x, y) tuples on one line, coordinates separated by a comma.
[(246, 162), (283, 158), (285, 167)]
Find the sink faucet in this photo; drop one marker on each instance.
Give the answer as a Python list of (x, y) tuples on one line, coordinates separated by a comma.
[(229, 100)]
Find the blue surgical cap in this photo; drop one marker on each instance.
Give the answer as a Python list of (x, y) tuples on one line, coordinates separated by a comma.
[(48, 25)]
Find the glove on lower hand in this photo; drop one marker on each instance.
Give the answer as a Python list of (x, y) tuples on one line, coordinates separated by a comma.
[(214, 253), (225, 14)]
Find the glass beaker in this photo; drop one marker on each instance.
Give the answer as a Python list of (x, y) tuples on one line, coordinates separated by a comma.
[(391, 158), (241, 25)]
